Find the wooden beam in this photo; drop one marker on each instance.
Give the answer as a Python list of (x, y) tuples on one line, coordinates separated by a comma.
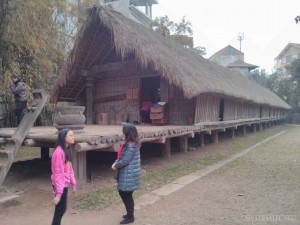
[(161, 140), (109, 67), (83, 147), (111, 98), (33, 143)]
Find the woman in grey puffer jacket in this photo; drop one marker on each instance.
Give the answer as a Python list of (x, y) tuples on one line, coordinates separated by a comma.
[(128, 165)]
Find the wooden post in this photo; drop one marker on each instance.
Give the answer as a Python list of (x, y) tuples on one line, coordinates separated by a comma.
[(202, 139), (232, 133), (215, 136), (166, 148), (45, 154), (244, 130), (260, 127), (183, 143), (79, 165), (254, 128), (89, 99)]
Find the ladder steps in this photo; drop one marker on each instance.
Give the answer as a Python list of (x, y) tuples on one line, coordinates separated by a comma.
[(13, 144)]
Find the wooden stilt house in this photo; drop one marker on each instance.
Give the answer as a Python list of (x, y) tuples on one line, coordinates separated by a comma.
[(116, 64)]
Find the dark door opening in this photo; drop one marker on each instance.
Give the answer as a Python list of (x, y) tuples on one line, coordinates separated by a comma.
[(221, 112), (149, 95)]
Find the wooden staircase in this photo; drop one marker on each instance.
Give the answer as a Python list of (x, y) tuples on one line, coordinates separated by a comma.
[(13, 144)]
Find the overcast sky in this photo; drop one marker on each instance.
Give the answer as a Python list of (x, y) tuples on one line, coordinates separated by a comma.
[(268, 25)]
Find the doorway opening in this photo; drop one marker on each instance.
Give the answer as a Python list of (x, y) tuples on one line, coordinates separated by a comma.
[(149, 95), (221, 112)]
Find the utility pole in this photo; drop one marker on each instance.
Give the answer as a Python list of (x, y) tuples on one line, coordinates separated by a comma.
[(240, 38)]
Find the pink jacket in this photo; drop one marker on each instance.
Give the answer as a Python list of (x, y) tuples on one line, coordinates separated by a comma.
[(62, 173)]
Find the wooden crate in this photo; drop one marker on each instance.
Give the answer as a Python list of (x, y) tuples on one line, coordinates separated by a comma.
[(156, 115), (156, 109)]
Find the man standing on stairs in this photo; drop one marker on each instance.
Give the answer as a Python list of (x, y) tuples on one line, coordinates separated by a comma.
[(18, 87)]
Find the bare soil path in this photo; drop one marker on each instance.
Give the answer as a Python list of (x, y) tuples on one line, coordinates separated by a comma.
[(260, 187)]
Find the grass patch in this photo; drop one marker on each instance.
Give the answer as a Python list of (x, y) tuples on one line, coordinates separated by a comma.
[(26, 152), (157, 179), (103, 198), (97, 200)]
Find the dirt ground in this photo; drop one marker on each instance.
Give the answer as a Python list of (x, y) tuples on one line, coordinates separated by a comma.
[(31, 178)]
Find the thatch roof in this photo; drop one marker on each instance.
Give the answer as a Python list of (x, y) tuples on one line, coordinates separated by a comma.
[(193, 74)]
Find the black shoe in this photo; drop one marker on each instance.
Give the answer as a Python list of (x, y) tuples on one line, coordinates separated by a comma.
[(127, 220), (125, 216)]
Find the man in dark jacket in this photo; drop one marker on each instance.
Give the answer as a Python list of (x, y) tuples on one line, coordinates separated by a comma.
[(19, 89)]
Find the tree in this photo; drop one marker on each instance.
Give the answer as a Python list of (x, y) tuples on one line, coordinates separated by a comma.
[(35, 36), (163, 26), (181, 32)]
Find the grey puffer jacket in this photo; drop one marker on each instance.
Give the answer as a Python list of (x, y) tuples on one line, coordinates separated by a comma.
[(129, 166), (19, 89)]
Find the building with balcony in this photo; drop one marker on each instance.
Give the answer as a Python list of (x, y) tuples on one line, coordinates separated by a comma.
[(285, 58), (137, 10)]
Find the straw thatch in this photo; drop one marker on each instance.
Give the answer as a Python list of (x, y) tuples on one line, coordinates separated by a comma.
[(193, 74)]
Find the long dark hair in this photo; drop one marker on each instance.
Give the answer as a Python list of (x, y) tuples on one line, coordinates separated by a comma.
[(62, 143), (131, 134)]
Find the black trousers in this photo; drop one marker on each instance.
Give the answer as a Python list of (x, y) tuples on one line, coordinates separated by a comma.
[(60, 208), (20, 106), (127, 199)]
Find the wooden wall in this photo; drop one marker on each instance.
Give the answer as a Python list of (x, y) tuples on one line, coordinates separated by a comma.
[(207, 108), (114, 87), (264, 111), (248, 110), (181, 110)]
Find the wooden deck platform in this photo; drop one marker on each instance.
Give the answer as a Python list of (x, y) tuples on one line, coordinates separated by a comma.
[(108, 137)]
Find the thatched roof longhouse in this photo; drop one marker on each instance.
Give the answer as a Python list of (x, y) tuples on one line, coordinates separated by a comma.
[(108, 36)]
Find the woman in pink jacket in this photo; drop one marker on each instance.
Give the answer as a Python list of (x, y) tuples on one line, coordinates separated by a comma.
[(62, 173)]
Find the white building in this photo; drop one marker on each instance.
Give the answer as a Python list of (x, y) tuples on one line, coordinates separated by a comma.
[(138, 10), (285, 58)]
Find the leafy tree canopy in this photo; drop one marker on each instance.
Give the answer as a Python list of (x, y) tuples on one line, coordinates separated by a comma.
[(35, 36), (181, 32)]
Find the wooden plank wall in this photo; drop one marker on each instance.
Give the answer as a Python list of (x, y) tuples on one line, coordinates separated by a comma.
[(113, 87), (180, 109), (230, 109), (235, 110), (207, 108), (265, 112), (164, 90), (253, 111)]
